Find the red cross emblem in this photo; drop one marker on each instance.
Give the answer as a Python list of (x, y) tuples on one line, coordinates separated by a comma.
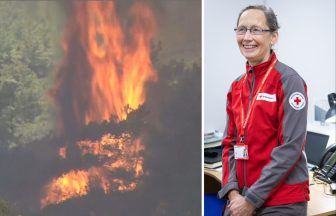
[(297, 100)]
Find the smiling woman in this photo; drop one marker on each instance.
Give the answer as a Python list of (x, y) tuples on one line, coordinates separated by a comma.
[(254, 36), (264, 167)]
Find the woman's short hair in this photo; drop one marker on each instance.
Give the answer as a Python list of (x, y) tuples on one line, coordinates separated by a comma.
[(271, 18)]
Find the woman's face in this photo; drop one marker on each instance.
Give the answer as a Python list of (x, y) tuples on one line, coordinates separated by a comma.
[(255, 48)]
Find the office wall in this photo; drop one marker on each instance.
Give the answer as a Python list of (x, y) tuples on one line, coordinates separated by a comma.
[(306, 43)]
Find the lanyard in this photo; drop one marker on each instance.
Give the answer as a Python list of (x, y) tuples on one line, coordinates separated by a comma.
[(243, 119)]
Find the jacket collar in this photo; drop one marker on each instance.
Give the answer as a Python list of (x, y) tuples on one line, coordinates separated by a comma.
[(262, 67)]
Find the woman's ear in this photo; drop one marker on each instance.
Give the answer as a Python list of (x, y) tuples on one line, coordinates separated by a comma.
[(275, 36)]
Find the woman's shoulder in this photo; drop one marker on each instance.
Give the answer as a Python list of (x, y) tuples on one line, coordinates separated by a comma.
[(288, 74), (285, 70), (236, 82), (239, 78)]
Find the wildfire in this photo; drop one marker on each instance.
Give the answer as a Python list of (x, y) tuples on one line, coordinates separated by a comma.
[(118, 154), (108, 146), (102, 77), (110, 64), (71, 184)]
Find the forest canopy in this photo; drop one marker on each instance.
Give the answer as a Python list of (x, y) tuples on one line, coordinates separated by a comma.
[(27, 58)]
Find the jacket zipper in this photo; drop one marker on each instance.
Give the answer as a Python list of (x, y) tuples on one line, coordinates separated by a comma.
[(251, 88)]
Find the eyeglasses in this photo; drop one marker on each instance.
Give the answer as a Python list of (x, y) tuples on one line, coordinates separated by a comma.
[(253, 30)]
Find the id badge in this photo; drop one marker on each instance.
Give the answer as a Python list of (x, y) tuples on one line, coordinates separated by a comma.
[(240, 152)]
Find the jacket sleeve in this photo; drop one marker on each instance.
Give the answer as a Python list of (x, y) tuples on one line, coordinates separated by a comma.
[(229, 179), (291, 138)]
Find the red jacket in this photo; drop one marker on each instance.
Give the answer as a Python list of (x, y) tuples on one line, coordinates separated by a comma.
[(276, 172)]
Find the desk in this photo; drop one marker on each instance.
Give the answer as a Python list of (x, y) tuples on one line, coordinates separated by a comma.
[(320, 204)]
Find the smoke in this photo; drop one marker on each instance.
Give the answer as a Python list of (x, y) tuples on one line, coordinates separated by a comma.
[(179, 26)]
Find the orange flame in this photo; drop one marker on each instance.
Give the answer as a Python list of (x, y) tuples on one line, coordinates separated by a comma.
[(102, 77), (118, 60), (71, 184), (118, 153)]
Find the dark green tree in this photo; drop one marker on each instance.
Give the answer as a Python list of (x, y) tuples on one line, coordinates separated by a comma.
[(27, 57)]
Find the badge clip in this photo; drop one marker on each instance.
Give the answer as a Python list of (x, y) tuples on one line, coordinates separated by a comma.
[(242, 139)]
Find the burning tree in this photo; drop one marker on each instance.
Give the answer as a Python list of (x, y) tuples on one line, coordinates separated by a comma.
[(102, 78), (105, 68)]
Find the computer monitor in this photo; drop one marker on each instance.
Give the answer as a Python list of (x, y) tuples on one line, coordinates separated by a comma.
[(315, 146)]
